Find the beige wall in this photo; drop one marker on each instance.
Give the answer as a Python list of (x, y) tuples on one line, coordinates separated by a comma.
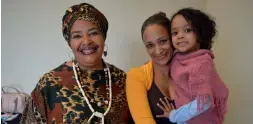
[(32, 43), (234, 55)]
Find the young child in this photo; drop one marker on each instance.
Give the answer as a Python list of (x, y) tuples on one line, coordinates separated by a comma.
[(200, 94)]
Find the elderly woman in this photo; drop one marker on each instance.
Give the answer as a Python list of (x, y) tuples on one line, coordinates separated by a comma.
[(85, 89)]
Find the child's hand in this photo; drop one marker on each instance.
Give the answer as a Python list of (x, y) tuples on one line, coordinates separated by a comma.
[(166, 107)]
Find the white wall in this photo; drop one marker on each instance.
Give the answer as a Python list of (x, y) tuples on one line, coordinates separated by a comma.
[(234, 55), (32, 42)]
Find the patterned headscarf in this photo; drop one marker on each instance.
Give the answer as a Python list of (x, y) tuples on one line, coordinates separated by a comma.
[(83, 11)]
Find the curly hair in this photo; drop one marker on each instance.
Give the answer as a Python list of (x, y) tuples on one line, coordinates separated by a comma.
[(202, 24), (159, 19)]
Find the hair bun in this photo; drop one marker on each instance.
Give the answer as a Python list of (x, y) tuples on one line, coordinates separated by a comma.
[(161, 14)]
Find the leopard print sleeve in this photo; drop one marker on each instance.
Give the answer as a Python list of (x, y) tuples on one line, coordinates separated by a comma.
[(35, 108)]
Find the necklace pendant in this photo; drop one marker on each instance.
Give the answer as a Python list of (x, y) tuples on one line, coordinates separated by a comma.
[(98, 114)]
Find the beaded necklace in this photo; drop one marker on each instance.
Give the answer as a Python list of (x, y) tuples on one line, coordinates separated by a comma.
[(95, 113)]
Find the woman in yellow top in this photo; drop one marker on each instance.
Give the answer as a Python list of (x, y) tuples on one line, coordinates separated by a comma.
[(148, 83)]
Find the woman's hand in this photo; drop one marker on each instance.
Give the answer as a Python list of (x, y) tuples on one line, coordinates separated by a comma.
[(166, 107)]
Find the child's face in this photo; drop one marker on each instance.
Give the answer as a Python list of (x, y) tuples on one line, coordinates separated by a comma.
[(184, 39)]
